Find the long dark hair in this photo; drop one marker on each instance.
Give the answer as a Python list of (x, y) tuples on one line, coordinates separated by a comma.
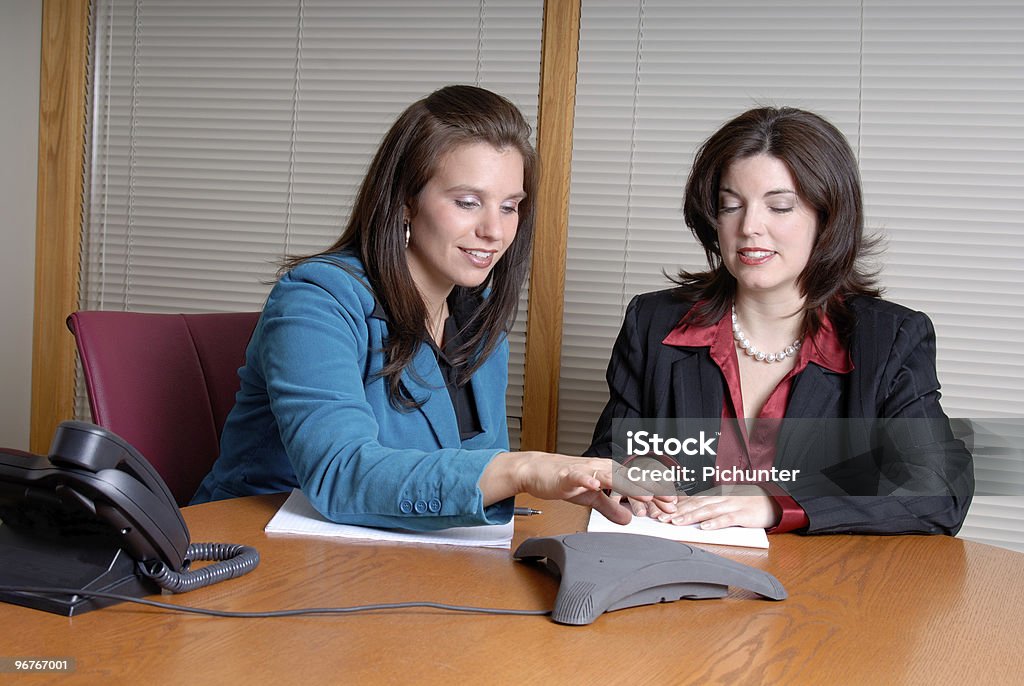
[(827, 178), (407, 158)]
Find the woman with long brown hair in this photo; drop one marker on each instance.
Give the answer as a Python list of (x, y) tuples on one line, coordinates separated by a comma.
[(375, 379), (822, 399)]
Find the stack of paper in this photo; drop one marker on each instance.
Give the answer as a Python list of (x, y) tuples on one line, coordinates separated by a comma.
[(297, 516), (691, 533)]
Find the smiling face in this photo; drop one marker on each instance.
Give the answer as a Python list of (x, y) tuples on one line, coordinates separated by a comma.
[(766, 231), (464, 219)]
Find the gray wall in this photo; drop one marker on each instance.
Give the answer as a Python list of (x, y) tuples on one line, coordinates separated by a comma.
[(20, 30)]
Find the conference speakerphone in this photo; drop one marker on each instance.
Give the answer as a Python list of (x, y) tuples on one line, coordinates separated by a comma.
[(601, 572)]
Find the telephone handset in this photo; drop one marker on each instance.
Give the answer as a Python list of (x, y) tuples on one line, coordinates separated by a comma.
[(95, 515)]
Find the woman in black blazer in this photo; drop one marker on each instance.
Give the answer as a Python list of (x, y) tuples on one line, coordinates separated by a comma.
[(798, 400)]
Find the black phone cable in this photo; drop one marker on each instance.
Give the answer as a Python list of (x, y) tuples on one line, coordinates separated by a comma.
[(232, 560), (297, 612)]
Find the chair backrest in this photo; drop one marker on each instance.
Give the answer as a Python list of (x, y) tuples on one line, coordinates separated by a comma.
[(165, 383)]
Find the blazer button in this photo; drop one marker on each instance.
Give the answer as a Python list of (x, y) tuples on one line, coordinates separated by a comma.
[(405, 506), (434, 505), (420, 507)]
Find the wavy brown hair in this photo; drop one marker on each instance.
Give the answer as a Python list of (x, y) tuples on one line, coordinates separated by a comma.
[(827, 178), (408, 156)]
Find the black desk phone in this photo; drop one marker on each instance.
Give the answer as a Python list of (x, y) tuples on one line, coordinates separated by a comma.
[(94, 515)]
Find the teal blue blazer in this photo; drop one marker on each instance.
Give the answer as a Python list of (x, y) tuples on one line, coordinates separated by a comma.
[(313, 413)]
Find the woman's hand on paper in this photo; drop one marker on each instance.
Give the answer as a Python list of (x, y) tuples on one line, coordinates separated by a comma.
[(733, 505)]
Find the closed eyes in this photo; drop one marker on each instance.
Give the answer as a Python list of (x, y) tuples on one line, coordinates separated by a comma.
[(731, 209)]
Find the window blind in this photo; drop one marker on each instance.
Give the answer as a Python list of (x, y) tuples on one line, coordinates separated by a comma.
[(931, 97), (226, 134)]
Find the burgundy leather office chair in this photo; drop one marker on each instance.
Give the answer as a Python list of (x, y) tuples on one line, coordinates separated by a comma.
[(165, 383)]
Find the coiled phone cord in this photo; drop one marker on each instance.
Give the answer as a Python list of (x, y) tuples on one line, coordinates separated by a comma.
[(232, 560)]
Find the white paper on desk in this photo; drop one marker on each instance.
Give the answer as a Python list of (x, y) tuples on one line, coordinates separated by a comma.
[(691, 533), (297, 516)]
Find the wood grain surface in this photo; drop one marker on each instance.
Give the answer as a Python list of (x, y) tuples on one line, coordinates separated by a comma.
[(861, 610)]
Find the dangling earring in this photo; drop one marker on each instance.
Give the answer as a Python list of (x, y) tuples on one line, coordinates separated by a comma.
[(406, 224)]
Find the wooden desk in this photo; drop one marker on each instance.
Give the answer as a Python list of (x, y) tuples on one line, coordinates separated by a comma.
[(862, 610)]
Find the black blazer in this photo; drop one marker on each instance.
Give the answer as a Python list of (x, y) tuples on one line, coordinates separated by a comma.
[(887, 462)]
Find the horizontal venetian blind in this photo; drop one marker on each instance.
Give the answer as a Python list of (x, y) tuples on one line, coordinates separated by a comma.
[(930, 95), (229, 133), (942, 158)]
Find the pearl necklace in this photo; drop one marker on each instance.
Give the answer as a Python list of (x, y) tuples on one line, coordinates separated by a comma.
[(759, 355)]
